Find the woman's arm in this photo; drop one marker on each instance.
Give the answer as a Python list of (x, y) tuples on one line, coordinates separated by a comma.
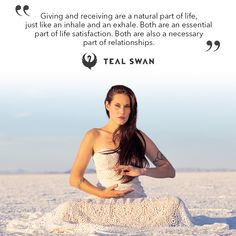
[(77, 179), (163, 168)]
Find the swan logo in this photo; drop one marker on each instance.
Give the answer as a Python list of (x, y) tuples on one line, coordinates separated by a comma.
[(89, 61)]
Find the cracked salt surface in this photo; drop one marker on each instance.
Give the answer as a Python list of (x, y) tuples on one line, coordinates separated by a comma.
[(209, 196)]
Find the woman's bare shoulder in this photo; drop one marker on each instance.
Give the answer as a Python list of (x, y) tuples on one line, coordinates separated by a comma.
[(90, 138), (142, 136), (92, 133), (140, 132)]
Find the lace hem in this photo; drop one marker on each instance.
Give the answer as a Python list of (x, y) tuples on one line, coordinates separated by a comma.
[(87, 214), (141, 212)]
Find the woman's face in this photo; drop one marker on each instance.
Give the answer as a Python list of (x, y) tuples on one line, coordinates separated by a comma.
[(119, 108)]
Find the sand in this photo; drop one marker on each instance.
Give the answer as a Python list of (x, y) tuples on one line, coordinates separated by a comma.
[(209, 196)]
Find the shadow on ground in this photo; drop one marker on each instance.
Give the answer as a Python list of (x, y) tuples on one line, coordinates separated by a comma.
[(203, 220)]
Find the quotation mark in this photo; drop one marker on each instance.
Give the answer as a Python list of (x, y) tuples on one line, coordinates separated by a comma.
[(25, 8), (209, 43), (88, 63)]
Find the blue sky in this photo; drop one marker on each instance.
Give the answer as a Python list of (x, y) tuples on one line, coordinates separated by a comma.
[(48, 99), (42, 131)]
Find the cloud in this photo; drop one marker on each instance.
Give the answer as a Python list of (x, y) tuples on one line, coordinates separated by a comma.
[(23, 115), (5, 139)]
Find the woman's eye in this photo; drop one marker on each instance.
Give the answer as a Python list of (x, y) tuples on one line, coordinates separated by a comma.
[(117, 105)]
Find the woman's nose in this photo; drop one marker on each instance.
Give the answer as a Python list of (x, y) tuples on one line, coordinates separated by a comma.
[(122, 110)]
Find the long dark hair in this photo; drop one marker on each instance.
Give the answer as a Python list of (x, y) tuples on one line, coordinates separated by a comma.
[(132, 144)]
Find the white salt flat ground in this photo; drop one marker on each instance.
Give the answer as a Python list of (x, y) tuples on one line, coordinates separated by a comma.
[(210, 197)]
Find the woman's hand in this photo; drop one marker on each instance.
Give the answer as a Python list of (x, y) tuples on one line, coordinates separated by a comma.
[(111, 192), (129, 170)]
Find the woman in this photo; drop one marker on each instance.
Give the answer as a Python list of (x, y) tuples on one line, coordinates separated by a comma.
[(120, 136), (119, 151), (118, 203)]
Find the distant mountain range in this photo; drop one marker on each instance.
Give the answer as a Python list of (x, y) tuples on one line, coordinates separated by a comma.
[(21, 171), (204, 170), (87, 171)]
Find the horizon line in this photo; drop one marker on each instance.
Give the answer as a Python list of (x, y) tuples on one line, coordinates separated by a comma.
[(93, 170)]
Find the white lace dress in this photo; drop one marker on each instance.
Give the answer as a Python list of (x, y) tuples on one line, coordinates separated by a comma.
[(135, 210)]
